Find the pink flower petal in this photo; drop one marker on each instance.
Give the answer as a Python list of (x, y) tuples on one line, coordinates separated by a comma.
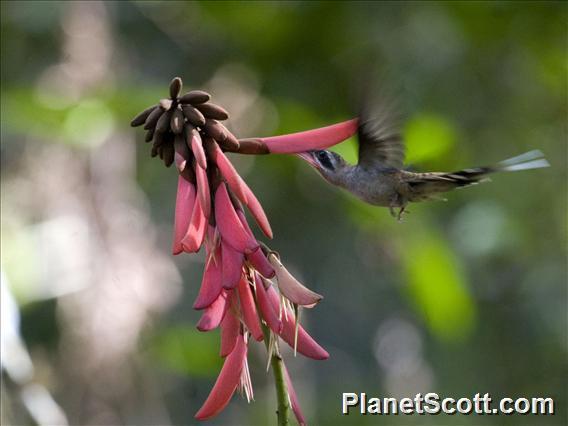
[(232, 265), (196, 145), (230, 227), (203, 190), (258, 260), (321, 138), (306, 344), (230, 327), (227, 169), (248, 309), (240, 188), (226, 383), (196, 231), (214, 313), (211, 284), (257, 212), (213, 242), (268, 311), (291, 288), (185, 200), (244, 222), (294, 398)]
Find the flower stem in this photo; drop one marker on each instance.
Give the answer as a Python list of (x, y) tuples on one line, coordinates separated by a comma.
[(281, 389)]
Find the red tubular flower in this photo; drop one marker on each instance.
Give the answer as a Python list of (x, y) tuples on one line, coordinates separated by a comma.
[(291, 288), (214, 313), (211, 284), (268, 311), (235, 182), (230, 227), (196, 145), (232, 265), (243, 220), (227, 382), (295, 143), (230, 327), (258, 260), (248, 309), (294, 399), (306, 345), (196, 231), (203, 190), (185, 201), (258, 212)]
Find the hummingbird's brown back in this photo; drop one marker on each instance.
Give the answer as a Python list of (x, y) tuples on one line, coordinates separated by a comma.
[(426, 186)]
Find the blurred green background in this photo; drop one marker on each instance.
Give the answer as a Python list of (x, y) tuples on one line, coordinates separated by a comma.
[(463, 297)]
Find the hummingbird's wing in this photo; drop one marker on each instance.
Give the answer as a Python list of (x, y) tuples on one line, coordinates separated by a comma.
[(380, 139)]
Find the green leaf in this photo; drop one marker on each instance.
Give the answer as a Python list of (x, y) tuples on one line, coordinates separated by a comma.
[(428, 136), (437, 285)]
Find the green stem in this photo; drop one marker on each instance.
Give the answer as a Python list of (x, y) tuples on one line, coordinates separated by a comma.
[(279, 381)]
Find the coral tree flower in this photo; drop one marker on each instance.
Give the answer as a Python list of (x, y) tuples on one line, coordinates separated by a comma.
[(296, 143), (229, 379), (237, 292)]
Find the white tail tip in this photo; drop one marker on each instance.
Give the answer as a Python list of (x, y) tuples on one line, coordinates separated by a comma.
[(536, 164), (528, 160)]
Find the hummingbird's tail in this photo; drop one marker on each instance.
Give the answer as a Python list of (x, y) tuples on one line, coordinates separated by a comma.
[(529, 160), (426, 185)]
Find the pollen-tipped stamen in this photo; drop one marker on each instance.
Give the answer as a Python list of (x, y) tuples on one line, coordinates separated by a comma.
[(296, 327)]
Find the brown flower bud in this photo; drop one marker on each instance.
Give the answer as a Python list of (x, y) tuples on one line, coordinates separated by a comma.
[(141, 118), (195, 97), (252, 146), (149, 135), (188, 174), (175, 87), (160, 138), (182, 154), (220, 133), (154, 151), (153, 118), (169, 153), (166, 104), (231, 143), (214, 111), (215, 129), (193, 115), (163, 124), (176, 122), (209, 145)]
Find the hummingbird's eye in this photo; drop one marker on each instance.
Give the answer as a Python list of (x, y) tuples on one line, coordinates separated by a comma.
[(324, 159)]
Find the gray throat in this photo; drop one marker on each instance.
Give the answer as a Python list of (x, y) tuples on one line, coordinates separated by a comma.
[(345, 177)]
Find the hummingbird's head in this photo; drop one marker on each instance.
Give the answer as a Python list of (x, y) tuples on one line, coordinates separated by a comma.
[(329, 164)]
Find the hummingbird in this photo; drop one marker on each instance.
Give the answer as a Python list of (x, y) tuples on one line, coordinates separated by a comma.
[(379, 177)]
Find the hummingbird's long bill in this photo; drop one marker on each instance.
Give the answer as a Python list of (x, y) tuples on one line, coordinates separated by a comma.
[(308, 158)]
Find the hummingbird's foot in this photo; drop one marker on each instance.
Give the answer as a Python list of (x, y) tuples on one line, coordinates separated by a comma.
[(392, 212), (400, 213)]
